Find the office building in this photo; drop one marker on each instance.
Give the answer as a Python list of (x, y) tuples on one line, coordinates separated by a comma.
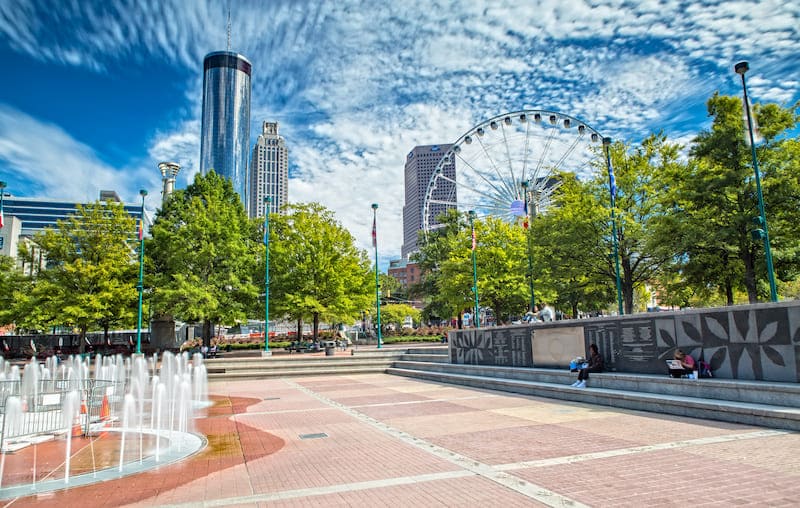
[(24, 217), (269, 171), (225, 128), (421, 163)]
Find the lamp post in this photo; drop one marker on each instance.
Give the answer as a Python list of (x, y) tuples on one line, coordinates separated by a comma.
[(140, 286), (741, 68), (612, 188), (476, 316), (525, 185), (2, 191), (377, 285), (267, 202)]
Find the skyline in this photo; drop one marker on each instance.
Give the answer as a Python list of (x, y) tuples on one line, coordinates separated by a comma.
[(98, 96)]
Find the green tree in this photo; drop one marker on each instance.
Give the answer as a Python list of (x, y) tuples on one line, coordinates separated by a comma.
[(90, 278), (316, 270), (712, 202), (396, 313), (203, 255), (446, 262), (568, 243)]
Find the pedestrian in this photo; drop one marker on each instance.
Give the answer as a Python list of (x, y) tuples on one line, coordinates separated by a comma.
[(595, 364)]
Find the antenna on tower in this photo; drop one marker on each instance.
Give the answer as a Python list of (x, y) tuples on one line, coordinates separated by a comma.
[(229, 28)]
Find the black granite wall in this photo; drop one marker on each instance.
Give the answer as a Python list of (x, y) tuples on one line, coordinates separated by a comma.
[(758, 342)]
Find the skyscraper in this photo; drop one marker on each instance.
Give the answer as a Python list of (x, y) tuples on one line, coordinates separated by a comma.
[(421, 162), (225, 131), (269, 171)]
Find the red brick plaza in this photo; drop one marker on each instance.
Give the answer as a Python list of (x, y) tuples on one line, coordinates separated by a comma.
[(382, 440)]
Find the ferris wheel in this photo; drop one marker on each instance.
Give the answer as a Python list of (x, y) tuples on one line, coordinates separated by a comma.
[(505, 166)]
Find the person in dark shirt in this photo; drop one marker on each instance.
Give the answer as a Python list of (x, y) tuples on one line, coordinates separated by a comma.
[(595, 364)]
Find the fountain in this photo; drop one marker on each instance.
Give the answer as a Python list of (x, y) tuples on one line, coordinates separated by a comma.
[(139, 406)]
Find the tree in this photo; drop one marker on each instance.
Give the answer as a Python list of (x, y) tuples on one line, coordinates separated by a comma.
[(568, 246), (90, 278), (446, 263), (203, 255), (713, 202), (396, 313), (316, 270)]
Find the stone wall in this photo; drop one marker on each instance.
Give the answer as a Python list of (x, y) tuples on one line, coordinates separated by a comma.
[(755, 342)]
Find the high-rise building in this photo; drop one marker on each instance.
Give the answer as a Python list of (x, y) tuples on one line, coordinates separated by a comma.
[(225, 129), (269, 171), (421, 162)]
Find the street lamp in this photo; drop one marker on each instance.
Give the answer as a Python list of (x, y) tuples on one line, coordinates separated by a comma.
[(267, 202), (612, 189), (2, 191), (140, 287), (525, 185), (476, 315), (377, 286), (741, 68)]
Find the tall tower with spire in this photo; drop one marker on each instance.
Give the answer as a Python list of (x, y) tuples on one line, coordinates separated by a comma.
[(225, 128)]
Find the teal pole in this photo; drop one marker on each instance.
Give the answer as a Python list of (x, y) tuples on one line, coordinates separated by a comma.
[(377, 284), (612, 187), (2, 191), (476, 317), (530, 251), (140, 286), (741, 68), (267, 203)]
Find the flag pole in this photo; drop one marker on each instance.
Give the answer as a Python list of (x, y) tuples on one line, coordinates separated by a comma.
[(612, 188), (377, 284), (140, 286)]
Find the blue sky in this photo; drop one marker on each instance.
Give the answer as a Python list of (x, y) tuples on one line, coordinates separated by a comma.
[(94, 94)]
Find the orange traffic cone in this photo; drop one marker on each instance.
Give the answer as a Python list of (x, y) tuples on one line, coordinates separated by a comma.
[(105, 410)]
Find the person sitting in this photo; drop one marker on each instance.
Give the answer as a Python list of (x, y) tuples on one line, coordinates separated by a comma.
[(595, 364), (687, 362)]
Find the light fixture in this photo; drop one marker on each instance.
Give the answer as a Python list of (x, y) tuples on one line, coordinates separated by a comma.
[(493, 125), (480, 131), (468, 140)]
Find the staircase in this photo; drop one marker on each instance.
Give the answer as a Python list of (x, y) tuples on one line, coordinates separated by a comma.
[(363, 361), (761, 403)]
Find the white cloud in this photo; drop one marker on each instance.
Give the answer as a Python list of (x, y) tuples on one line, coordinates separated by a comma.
[(355, 87), (45, 156)]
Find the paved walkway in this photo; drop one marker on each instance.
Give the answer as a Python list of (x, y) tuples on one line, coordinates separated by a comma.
[(381, 440)]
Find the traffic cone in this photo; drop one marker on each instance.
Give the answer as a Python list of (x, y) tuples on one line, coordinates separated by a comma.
[(105, 410)]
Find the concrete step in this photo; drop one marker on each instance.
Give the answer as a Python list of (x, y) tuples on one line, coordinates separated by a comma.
[(421, 357), (300, 371), (756, 392), (555, 384)]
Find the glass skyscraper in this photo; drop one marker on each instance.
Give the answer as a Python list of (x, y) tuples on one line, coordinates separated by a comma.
[(225, 131)]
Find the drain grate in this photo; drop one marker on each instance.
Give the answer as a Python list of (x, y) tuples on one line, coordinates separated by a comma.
[(313, 436)]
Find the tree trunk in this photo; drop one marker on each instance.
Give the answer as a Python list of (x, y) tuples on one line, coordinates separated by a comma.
[(728, 292), (82, 340), (207, 328), (316, 326), (299, 328), (750, 277)]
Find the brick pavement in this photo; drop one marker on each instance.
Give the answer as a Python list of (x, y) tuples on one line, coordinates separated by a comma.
[(380, 440)]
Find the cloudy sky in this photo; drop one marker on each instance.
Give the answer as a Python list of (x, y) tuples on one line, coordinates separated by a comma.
[(95, 93)]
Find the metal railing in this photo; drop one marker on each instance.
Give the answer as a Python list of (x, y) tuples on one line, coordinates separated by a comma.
[(42, 411)]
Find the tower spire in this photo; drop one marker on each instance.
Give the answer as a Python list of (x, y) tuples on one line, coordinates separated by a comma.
[(229, 28)]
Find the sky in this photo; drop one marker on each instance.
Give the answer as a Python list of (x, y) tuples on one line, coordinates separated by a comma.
[(94, 94)]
